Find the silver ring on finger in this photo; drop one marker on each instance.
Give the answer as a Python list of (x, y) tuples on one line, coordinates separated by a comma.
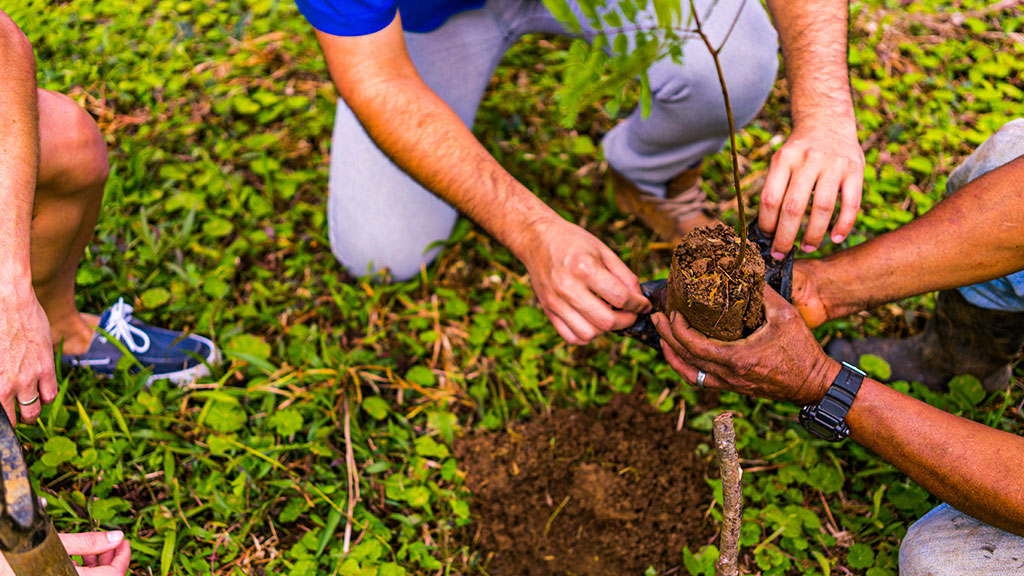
[(29, 402), (701, 376)]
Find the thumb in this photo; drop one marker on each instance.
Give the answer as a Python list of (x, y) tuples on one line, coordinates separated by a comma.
[(773, 301), (636, 302), (91, 543)]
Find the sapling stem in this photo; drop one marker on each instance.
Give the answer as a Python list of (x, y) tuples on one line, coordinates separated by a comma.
[(740, 214), (699, 31)]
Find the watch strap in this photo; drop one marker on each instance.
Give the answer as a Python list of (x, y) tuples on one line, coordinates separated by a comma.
[(827, 419)]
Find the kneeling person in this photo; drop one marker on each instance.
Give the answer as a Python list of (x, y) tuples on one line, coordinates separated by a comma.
[(53, 170)]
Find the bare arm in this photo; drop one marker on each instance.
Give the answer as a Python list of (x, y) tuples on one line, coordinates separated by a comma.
[(576, 277), (376, 78), (26, 349), (822, 154), (961, 462), (974, 235), (19, 154)]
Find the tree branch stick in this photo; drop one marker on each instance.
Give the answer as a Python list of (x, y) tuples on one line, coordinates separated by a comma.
[(732, 497)]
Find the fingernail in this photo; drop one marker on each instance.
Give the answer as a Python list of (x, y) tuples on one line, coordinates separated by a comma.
[(115, 537), (808, 248), (837, 238), (778, 255)]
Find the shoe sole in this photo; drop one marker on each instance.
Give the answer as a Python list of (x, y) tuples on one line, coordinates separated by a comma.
[(190, 375)]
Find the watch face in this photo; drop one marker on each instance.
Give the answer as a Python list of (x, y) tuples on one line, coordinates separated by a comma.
[(820, 430)]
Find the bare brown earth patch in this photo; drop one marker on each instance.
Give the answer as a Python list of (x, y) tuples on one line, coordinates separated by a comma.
[(605, 491)]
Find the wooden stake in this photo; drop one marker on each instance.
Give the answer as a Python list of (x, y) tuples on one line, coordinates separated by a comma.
[(732, 497)]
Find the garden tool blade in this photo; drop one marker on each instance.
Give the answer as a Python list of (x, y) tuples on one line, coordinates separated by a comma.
[(27, 539), (643, 329), (777, 273)]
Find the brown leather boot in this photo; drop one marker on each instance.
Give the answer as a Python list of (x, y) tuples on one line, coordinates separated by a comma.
[(680, 211), (960, 338)]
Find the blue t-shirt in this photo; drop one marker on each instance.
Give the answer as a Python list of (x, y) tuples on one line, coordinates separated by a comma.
[(361, 17)]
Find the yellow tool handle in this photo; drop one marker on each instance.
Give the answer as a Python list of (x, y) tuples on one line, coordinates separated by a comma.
[(46, 559)]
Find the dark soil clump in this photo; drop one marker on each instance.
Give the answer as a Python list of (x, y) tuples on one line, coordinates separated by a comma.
[(598, 492), (718, 301)]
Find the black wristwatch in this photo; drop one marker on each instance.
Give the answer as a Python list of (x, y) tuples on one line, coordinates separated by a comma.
[(827, 420)]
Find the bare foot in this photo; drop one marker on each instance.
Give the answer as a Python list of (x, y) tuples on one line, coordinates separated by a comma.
[(75, 335)]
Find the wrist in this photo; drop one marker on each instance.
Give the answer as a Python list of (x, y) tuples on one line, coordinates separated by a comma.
[(525, 240), (837, 117), (823, 374), (826, 418), (820, 294), (17, 287), (840, 295)]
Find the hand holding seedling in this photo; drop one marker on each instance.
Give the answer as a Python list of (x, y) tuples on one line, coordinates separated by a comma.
[(823, 162), (582, 285), (781, 360)]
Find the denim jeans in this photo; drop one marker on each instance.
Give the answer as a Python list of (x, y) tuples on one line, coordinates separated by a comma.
[(1006, 145), (380, 218), (947, 542)]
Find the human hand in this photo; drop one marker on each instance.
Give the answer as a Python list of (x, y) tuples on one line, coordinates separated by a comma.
[(26, 357), (806, 297), (819, 296), (781, 360), (826, 160), (103, 553), (583, 287)]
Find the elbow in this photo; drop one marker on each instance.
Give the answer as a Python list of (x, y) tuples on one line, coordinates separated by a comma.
[(15, 48)]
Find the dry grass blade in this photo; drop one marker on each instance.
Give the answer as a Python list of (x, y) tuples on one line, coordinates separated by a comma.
[(353, 479)]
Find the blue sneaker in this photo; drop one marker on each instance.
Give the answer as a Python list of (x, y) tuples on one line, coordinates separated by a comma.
[(170, 355)]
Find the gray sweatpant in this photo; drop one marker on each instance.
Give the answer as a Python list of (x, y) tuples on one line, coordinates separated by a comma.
[(380, 218), (947, 542)]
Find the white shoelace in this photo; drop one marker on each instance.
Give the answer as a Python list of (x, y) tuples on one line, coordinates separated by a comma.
[(119, 326)]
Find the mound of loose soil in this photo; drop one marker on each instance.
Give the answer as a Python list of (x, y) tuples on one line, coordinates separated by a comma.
[(718, 301), (591, 493)]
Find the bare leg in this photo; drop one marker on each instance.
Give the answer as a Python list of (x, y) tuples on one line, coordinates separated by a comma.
[(72, 175)]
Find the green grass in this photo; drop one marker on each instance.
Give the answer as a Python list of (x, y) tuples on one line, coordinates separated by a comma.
[(218, 118)]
